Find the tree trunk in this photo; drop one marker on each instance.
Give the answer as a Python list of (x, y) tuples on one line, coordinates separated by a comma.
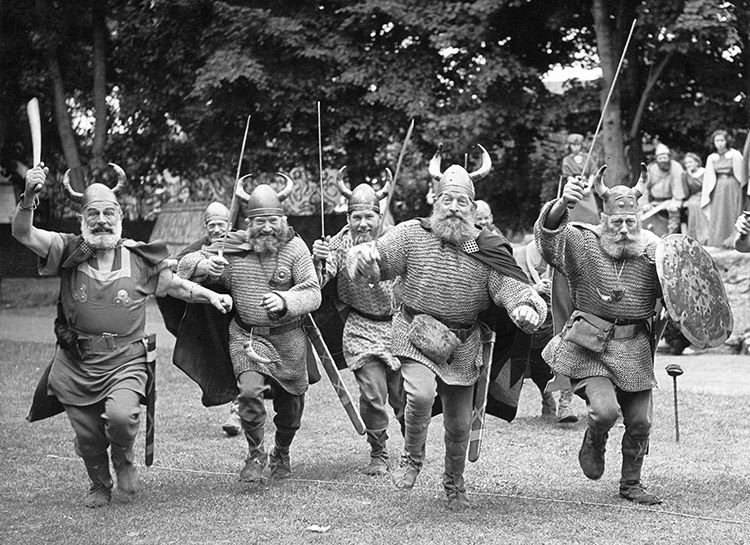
[(67, 138), (100, 85), (612, 132)]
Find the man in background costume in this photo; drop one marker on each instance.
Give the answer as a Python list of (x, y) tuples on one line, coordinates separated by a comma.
[(270, 274), (665, 187), (215, 222), (450, 272), (572, 165), (606, 348), (99, 372), (368, 313), (483, 216)]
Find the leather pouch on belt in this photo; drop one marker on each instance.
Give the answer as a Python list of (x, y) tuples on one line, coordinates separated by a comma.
[(588, 331), (432, 337)]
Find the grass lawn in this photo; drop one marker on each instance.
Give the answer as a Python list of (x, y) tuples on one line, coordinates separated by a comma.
[(525, 488)]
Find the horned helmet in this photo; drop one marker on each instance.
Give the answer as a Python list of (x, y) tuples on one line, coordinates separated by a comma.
[(96, 192), (620, 199), (456, 177), (264, 200), (363, 196)]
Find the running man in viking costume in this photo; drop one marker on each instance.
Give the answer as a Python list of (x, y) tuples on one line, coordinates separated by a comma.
[(99, 372), (367, 329), (450, 271), (211, 325), (270, 274), (606, 348)]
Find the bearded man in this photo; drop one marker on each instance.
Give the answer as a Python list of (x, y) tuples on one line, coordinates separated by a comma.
[(368, 311), (606, 347), (665, 185), (99, 372), (450, 272), (270, 274)]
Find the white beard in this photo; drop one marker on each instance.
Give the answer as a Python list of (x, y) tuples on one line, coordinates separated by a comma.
[(104, 241)]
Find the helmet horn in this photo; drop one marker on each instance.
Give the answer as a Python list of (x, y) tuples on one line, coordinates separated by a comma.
[(387, 187), (345, 191), (121, 178), (284, 193), (484, 168), (243, 195), (74, 196), (435, 171), (640, 186), (599, 186)]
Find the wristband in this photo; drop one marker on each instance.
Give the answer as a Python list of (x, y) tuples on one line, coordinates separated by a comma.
[(34, 203)]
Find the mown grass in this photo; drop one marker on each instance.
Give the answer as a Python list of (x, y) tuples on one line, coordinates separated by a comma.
[(526, 487)]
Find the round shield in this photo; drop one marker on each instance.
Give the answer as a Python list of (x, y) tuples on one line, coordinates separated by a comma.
[(693, 291)]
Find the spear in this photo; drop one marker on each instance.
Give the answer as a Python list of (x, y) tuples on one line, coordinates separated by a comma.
[(392, 192), (322, 193), (232, 211)]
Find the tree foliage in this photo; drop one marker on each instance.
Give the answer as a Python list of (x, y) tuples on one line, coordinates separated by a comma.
[(183, 75)]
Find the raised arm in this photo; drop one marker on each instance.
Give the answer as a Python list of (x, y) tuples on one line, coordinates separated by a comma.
[(37, 240)]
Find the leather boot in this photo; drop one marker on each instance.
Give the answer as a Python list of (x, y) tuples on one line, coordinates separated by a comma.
[(405, 475), (378, 465), (591, 455), (100, 493), (125, 469), (564, 414), (279, 464), (257, 458), (633, 451), (233, 425), (548, 404), (456, 491)]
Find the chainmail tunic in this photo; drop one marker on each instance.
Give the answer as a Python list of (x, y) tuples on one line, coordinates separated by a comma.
[(444, 281), (576, 252), (363, 338), (249, 277)]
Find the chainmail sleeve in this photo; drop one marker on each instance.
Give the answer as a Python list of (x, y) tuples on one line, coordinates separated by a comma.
[(510, 293), (394, 249), (304, 295), (554, 244), (188, 263)]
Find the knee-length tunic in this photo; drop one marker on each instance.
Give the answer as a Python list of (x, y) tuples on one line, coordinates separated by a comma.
[(249, 276), (576, 252), (445, 282), (367, 330)]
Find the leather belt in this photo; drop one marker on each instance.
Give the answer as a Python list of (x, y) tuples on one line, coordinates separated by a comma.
[(462, 331), (627, 331), (286, 327), (106, 342)]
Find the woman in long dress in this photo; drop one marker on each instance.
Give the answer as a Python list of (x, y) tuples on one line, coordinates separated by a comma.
[(692, 179), (722, 192)]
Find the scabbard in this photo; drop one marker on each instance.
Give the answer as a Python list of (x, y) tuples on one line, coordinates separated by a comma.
[(150, 342), (481, 391), (332, 371)]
